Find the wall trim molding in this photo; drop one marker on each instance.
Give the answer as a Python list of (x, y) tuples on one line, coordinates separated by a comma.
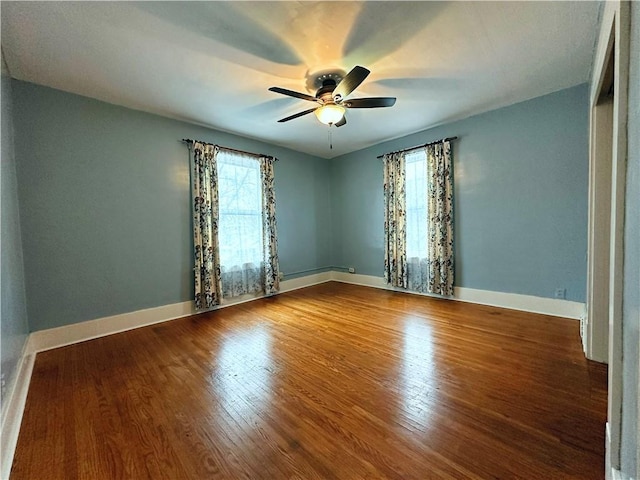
[(16, 398), (612, 473), (526, 303), (48, 339), (79, 332), (306, 281), (512, 301), (618, 475)]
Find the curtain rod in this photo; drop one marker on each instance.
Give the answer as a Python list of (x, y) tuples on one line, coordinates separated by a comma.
[(188, 140), (419, 146)]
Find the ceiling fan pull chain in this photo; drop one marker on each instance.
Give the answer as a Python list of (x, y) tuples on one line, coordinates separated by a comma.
[(330, 139)]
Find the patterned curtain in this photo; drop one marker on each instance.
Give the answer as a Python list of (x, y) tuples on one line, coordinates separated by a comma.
[(395, 234), (440, 221), (271, 267), (208, 286)]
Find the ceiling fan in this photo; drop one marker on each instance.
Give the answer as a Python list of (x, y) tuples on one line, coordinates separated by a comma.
[(332, 97)]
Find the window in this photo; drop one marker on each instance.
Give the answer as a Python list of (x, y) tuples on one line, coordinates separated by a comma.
[(240, 210), (416, 208)]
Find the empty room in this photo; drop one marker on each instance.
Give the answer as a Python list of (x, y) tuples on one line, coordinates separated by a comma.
[(320, 240)]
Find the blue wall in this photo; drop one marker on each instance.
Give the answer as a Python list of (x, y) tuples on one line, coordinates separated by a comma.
[(13, 313), (105, 206), (521, 183)]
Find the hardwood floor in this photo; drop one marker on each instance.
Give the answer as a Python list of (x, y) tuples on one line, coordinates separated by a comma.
[(334, 381)]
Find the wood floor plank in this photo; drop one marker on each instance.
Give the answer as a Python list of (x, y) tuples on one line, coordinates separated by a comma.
[(334, 381)]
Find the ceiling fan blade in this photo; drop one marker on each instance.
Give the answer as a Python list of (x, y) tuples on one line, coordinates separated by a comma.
[(350, 82), (341, 122), (299, 114), (291, 93), (373, 102)]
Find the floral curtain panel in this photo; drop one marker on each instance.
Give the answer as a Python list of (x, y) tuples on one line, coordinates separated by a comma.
[(395, 235), (235, 239), (440, 221), (208, 285), (270, 237), (418, 227)]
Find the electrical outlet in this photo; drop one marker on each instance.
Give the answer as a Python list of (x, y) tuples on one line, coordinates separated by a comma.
[(561, 293), (352, 270)]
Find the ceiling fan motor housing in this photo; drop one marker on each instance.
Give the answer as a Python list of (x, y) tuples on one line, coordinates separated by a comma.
[(316, 80), (324, 92)]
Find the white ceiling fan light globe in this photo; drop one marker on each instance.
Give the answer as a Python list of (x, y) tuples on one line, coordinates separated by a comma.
[(330, 114)]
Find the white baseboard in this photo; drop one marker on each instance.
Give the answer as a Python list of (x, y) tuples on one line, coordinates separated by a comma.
[(525, 303), (306, 281), (612, 473), (618, 475), (16, 399), (513, 301), (79, 332), (358, 279)]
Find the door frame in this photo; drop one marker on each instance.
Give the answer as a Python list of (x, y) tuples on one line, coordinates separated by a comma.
[(614, 37)]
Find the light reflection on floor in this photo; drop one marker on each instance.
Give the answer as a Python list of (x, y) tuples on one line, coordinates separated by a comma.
[(418, 379)]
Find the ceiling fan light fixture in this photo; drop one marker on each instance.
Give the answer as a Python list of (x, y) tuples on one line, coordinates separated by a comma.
[(330, 113), (335, 88)]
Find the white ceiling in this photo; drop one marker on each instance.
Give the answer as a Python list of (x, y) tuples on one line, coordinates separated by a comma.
[(211, 63)]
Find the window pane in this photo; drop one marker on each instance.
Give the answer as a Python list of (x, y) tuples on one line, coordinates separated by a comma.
[(240, 200), (416, 191)]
